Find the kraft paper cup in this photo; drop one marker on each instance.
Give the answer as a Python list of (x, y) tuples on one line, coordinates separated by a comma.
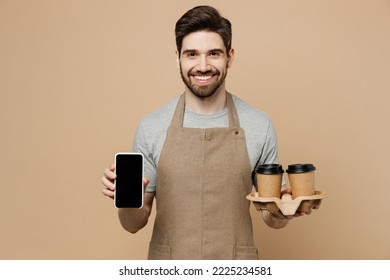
[(269, 182), (302, 182)]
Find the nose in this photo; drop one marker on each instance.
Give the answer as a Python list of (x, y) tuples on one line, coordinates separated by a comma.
[(203, 64)]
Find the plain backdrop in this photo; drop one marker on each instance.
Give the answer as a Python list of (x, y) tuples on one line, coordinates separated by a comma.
[(76, 76)]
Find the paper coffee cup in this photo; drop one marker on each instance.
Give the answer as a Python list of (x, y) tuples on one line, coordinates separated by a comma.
[(302, 182), (269, 180)]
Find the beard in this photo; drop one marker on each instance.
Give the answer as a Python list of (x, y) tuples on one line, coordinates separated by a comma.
[(203, 91)]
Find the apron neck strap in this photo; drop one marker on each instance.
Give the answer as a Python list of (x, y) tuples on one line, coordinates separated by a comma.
[(233, 116), (178, 117)]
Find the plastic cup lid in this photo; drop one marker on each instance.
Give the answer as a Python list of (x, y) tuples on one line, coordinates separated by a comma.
[(300, 168), (269, 169)]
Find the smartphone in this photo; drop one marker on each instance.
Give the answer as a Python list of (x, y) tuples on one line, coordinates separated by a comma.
[(129, 187)]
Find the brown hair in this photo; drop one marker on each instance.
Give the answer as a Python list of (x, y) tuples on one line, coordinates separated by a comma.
[(203, 18)]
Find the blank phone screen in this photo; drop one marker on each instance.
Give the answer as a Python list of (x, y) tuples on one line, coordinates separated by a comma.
[(129, 180)]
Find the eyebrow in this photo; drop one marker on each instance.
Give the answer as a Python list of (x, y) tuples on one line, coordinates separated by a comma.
[(217, 50), (196, 51)]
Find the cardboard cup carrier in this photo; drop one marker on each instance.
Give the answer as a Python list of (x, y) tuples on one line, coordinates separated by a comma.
[(303, 195)]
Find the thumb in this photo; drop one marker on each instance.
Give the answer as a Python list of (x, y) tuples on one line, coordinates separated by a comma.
[(288, 191), (146, 181)]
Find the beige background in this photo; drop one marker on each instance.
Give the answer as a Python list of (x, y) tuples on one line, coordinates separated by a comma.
[(76, 77)]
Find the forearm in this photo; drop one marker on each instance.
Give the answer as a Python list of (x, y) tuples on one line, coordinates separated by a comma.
[(274, 220), (133, 220)]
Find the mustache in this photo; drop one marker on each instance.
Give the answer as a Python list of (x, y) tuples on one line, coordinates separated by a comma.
[(208, 72)]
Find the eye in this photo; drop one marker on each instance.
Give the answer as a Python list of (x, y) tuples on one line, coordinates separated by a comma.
[(214, 53), (191, 54)]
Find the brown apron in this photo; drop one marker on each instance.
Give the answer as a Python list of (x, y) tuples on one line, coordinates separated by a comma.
[(203, 178)]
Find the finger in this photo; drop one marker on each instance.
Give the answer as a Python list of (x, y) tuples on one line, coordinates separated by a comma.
[(109, 173), (288, 191), (146, 182), (108, 192), (303, 213), (112, 166), (108, 184)]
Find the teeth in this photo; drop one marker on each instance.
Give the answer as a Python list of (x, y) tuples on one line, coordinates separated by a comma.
[(203, 78)]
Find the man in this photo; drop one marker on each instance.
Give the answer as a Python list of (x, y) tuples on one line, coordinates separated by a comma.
[(199, 150)]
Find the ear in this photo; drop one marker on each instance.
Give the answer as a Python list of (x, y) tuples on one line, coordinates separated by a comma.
[(230, 57), (177, 59)]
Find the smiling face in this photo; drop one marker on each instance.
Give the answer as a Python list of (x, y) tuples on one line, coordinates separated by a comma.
[(203, 63)]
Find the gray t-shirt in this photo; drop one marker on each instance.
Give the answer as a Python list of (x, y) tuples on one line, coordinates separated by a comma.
[(260, 135)]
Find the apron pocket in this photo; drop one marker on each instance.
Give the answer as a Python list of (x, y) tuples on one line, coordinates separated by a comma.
[(245, 253), (159, 252)]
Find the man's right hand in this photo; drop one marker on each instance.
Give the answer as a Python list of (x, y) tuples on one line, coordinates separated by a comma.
[(131, 219), (109, 178), (108, 181)]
